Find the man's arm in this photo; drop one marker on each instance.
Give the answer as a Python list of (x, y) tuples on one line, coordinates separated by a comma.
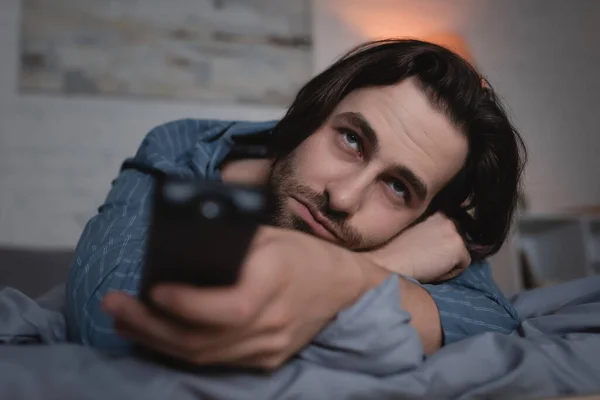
[(110, 251), (446, 312), (425, 317), (294, 290), (467, 300)]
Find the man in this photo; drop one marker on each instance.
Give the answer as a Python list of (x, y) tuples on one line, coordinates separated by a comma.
[(399, 163)]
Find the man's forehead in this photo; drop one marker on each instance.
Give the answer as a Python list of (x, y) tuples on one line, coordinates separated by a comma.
[(395, 99), (394, 110), (411, 131)]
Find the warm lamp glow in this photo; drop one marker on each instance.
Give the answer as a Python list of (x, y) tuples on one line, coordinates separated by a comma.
[(397, 19), (452, 42), (386, 22)]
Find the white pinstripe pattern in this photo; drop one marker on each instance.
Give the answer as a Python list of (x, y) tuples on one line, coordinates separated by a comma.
[(111, 249)]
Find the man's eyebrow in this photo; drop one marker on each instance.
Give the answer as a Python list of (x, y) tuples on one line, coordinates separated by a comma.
[(412, 180), (358, 121)]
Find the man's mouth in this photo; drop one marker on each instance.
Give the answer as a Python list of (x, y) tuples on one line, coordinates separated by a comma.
[(314, 219)]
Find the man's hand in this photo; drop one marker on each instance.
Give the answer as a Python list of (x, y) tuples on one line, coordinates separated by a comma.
[(432, 250), (291, 285)]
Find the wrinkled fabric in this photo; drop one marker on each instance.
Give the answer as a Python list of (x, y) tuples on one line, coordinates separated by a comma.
[(23, 320), (555, 351)]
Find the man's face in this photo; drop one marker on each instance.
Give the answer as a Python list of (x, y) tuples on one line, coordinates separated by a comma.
[(371, 169)]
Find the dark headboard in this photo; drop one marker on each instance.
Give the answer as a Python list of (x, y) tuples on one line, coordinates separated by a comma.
[(33, 271)]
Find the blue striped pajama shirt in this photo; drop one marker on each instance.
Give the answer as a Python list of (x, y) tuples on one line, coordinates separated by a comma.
[(110, 252)]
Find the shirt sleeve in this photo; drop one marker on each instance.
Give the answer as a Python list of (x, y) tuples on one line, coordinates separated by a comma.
[(472, 303), (110, 252)]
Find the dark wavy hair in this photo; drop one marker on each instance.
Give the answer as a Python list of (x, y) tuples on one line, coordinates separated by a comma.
[(482, 197)]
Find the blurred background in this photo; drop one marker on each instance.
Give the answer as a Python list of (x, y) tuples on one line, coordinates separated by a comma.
[(81, 83)]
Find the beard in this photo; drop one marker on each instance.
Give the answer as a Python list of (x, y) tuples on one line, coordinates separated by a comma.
[(283, 184)]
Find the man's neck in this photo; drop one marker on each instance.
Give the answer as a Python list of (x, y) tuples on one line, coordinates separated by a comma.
[(253, 172)]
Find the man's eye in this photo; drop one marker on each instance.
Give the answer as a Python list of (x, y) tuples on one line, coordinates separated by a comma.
[(352, 140), (399, 188)]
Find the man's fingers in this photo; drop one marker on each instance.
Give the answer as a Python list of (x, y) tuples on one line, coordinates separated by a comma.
[(465, 259), (123, 306), (257, 351), (450, 275), (233, 306), (463, 264), (129, 310), (134, 317), (221, 307), (142, 338), (248, 352)]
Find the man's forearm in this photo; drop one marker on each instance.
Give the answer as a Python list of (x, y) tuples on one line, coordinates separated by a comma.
[(425, 317)]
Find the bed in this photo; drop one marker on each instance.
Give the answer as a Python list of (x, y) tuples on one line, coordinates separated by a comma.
[(554, 352)]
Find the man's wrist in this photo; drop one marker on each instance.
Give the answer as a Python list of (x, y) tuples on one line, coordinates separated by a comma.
[(365, 275), (385, 260)]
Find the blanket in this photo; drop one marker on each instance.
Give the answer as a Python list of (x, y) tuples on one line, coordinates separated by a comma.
[(555, 351)]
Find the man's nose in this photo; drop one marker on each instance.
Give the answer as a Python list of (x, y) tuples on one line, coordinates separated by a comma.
[(346, 195)]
